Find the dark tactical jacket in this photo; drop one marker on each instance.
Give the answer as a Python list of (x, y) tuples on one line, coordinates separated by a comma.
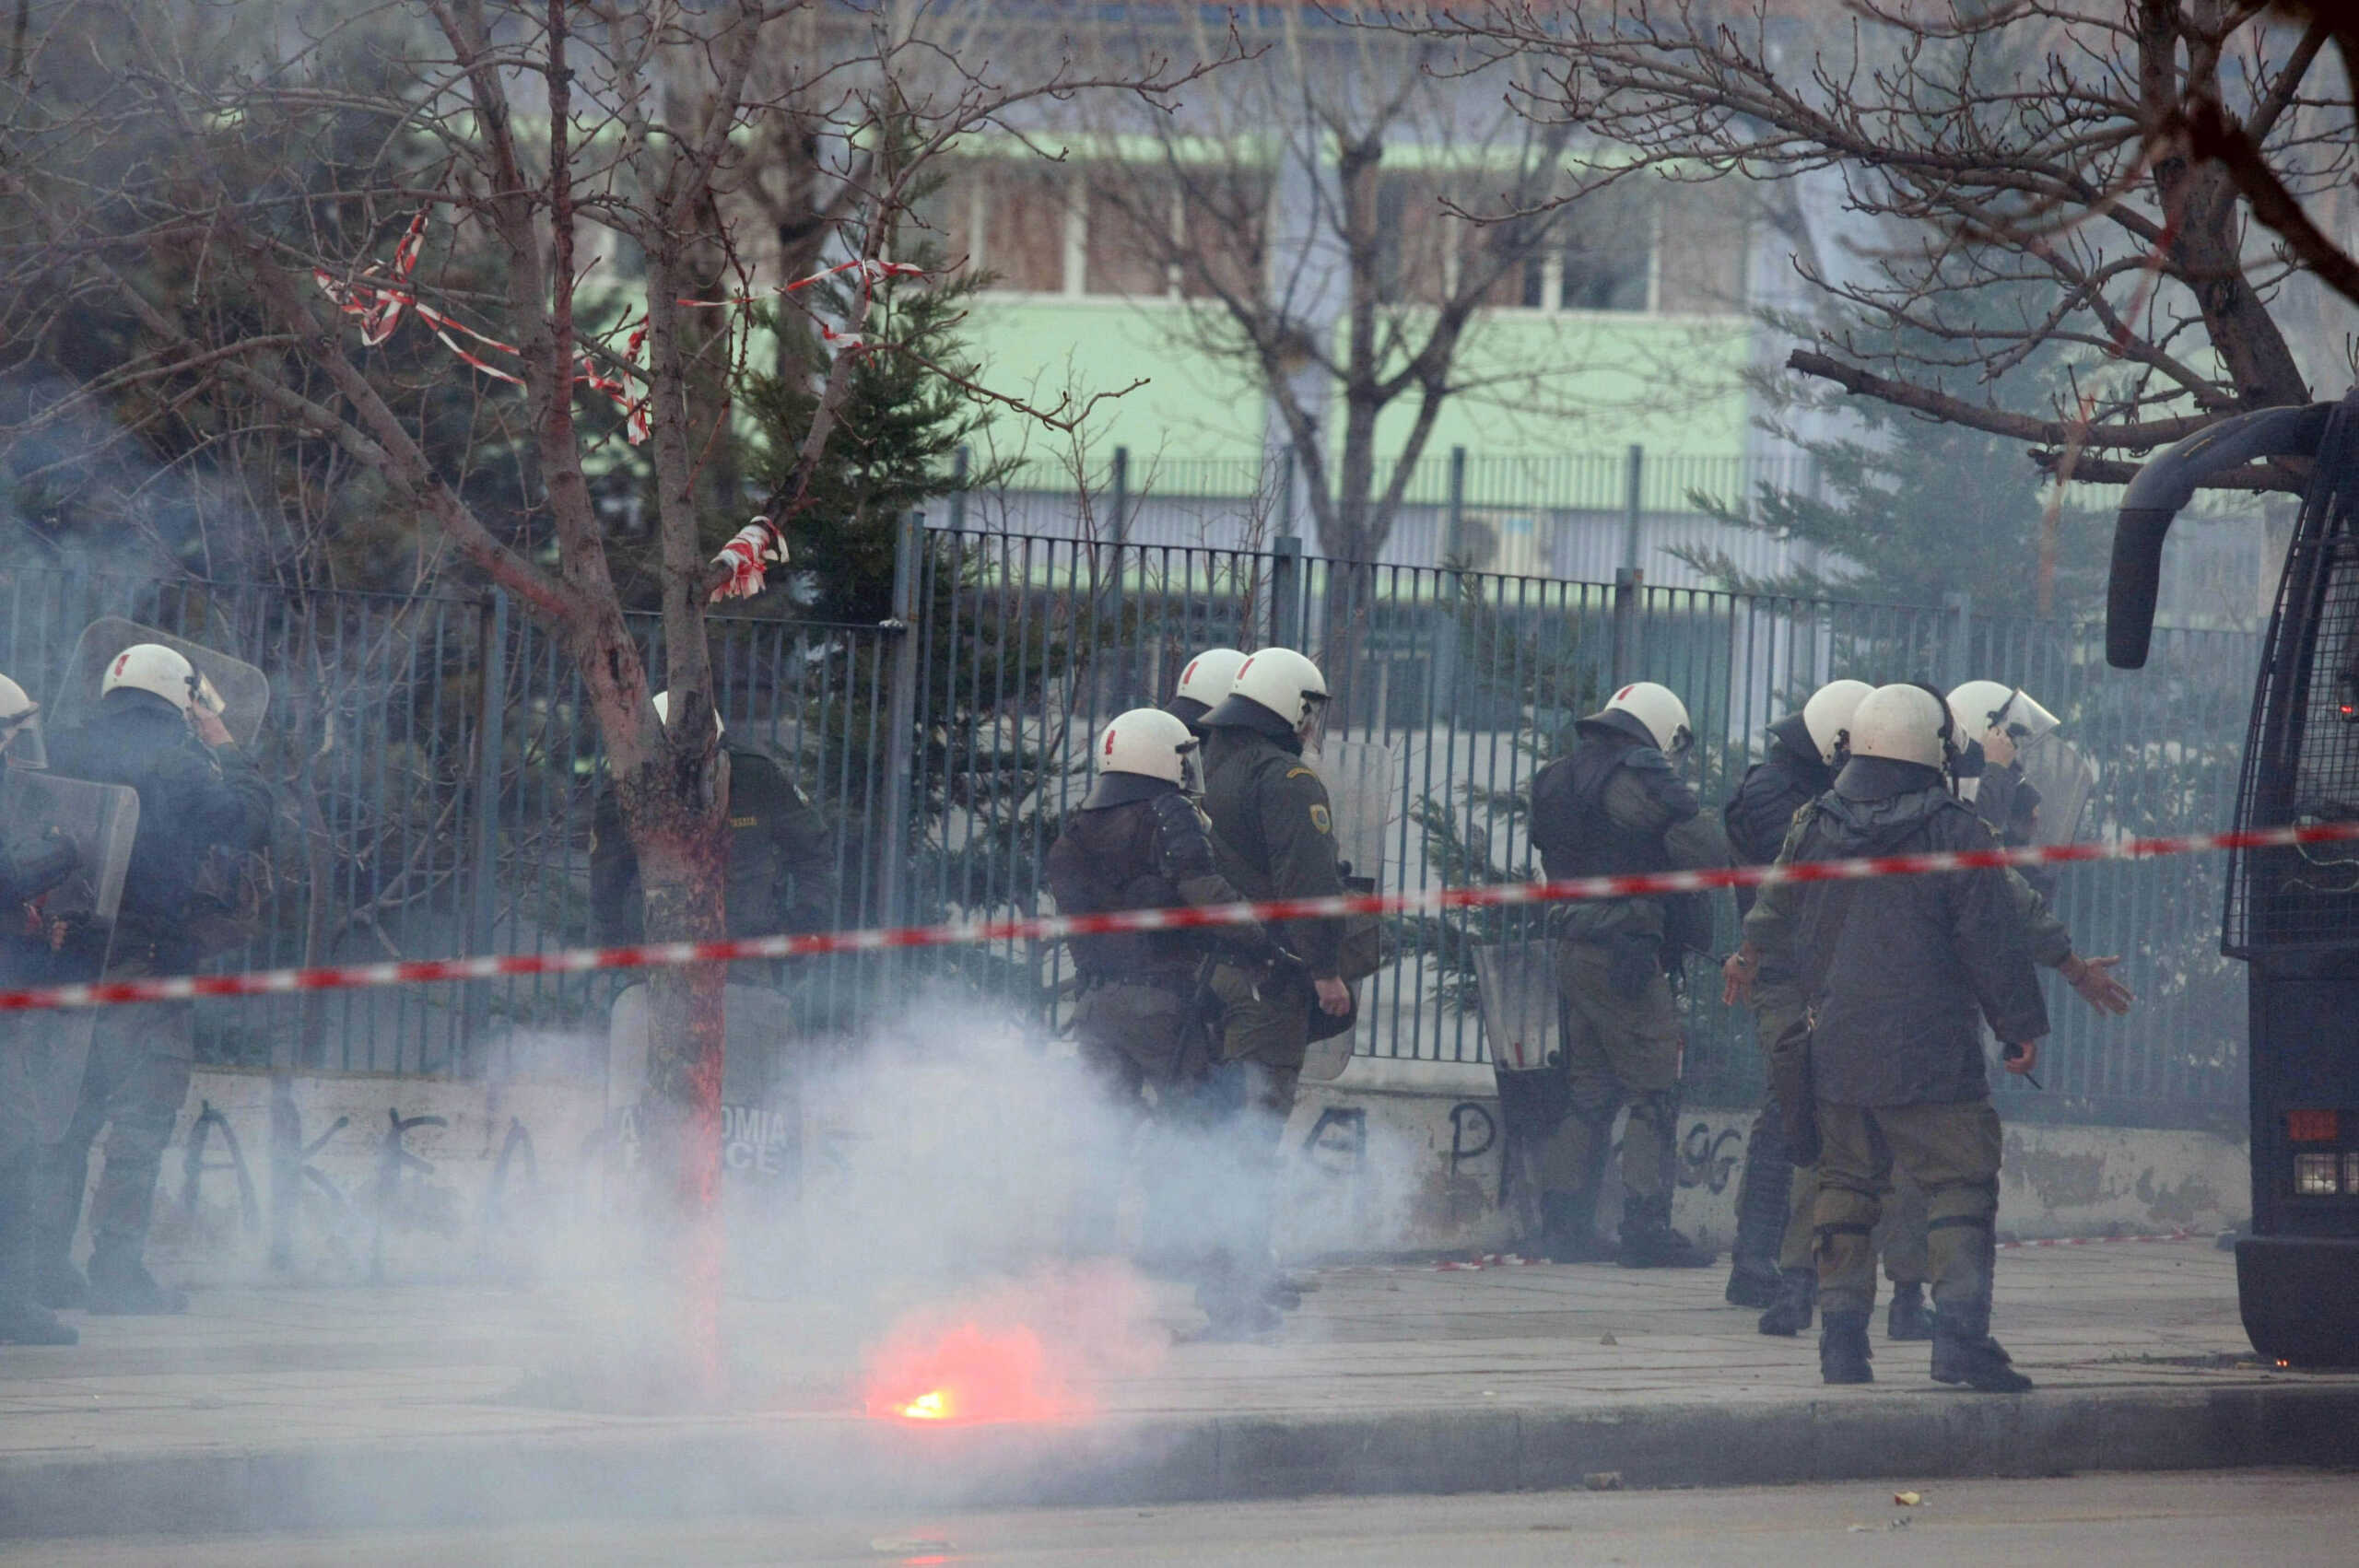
[(1762, 811), (1140, 844), (1611, 807), (2007, 800), (781, 874), (1274, 831), (1901, 970), (195, 803)]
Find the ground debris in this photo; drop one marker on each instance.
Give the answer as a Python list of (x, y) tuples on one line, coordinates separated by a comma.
[(1603, 1481), (1907, 1498)]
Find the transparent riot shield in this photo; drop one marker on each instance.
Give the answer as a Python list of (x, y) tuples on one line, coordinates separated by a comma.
[(2065, 779), (1517, 983), (69, 932), (1523, 1026), (239, 693), (1363, 779)]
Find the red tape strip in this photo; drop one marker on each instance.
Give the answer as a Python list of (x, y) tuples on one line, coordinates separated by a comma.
[(273, 982)]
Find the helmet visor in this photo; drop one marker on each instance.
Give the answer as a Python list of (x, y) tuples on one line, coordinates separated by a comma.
[(1192, 768), (20, 741)]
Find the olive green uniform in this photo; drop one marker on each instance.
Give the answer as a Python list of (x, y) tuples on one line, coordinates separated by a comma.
[(1624, 1039), (781, 874), (1902, 970), (1900, 1237), (1273, 836)]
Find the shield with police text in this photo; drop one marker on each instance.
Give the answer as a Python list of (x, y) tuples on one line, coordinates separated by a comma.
[(232, 687), (68, 842)]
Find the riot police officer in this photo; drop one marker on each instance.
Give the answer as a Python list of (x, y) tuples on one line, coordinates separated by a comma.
[(27, 950), (781, 874), (1994, 719), (1138, 842), (1805, 749), (156, 728), (1897, 970), (1615, 805), (1202, 686), (1273, 836)]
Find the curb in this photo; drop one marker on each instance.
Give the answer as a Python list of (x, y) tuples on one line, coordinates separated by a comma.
[(655, 1469)]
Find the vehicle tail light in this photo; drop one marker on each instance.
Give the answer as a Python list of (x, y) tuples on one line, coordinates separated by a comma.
[(2312, 1127)]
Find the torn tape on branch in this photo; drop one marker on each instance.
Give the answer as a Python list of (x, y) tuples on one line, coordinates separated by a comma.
[(380, 300), (743, 563), (279, 982)]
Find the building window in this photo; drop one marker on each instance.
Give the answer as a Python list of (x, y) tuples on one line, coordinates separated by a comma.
[(1016, 220), (1600, 257), (1417, 240)]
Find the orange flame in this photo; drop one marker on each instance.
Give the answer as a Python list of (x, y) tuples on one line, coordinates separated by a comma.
[(969, 1374)]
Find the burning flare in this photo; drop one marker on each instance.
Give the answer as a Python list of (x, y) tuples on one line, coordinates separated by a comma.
[(968, 1375)]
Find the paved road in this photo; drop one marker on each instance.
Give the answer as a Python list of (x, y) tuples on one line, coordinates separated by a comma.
[(2282, 1519)]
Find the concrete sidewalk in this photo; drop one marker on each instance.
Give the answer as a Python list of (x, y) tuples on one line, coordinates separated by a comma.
[(308, 1407)]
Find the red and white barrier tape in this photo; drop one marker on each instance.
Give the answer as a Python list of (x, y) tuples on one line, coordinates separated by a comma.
[(379, 299), (276, 982)]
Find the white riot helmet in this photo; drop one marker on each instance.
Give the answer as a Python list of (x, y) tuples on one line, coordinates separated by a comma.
[(1827, 716), (663, 701), (1903, 723), (1207, 678), (1982, 706), (1659, 710), (1149, 743), (1284, 682), (164, 671), (20, 727)]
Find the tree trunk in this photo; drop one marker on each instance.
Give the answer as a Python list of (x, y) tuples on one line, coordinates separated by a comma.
[(681, 876)]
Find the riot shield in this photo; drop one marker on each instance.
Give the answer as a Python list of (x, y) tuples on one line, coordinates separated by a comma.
[(39, 812), (1363, 779), (761, 1121), (1523, 1024), (2065, 779), (242, 692)]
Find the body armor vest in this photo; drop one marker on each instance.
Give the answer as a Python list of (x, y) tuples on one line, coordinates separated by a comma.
[(1108, 858), (1569, 826)]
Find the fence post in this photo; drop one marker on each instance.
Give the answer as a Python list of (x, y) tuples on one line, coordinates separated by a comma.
[(491, 699), (900, 719), (1454, 537), (1629, 583), (1957, 629), (1286, 593), (1119, 528), (1634, 475)]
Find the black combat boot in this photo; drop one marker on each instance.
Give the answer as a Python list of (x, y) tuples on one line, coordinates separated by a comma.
[(122, 1287), (1797, 1294), (29, 1324), (1648, 1242), (1751, 1287), (1843, 1350), (1565, 1235), (1978, 1361), (1909, 1317)]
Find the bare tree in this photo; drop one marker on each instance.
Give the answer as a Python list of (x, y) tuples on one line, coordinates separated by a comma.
[(2074, 178), (1339, 220), (509, 152)]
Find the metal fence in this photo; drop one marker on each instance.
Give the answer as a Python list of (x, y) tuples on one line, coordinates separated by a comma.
[(436, 766)]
